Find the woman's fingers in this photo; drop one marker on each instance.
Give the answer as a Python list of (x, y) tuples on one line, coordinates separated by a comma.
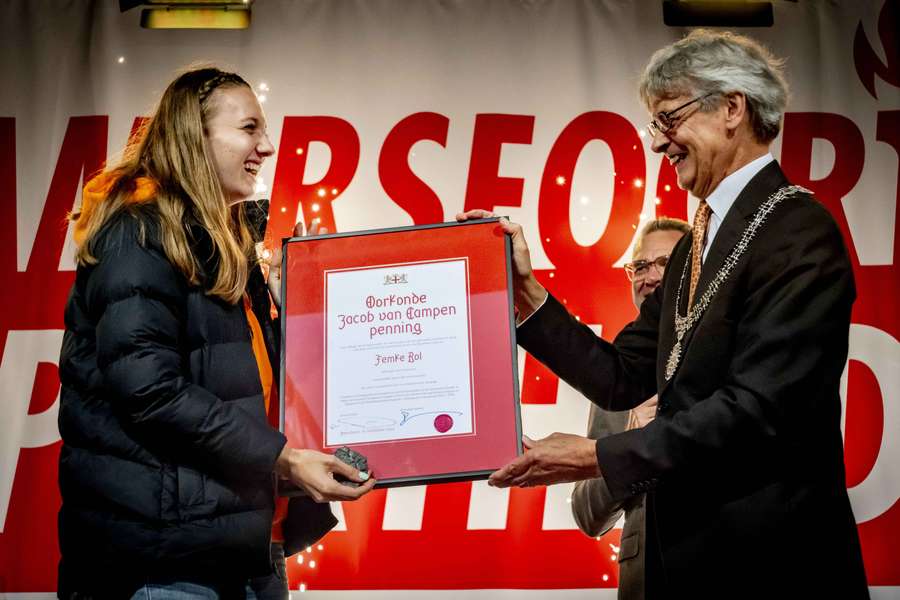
[(315, 472), (333, 490), (339, 491), (273, 257), (344, 470)]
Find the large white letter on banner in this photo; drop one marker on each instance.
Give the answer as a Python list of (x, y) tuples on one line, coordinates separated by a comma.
[(23, 352), (881, 487)]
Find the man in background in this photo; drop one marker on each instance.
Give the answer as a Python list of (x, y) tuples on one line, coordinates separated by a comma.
[(594, 509)]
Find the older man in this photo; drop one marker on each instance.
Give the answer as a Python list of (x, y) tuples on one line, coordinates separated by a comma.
[(745, 343), (592, 505)]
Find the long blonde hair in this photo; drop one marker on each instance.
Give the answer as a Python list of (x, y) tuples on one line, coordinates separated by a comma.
[(170, 150)]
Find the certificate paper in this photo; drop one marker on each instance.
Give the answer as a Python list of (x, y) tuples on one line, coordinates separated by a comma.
[(400, 345), (397, 352)]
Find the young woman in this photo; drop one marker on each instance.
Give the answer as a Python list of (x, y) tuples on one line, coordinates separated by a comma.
[(168, 464)]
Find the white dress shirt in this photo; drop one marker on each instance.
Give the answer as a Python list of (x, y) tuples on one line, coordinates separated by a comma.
[(726, 193)]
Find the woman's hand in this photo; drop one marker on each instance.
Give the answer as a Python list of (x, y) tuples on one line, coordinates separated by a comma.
[(273, 259), (314, 472), (528, 293)]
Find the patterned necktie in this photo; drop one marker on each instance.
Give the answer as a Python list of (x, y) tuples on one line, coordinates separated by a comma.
[(701, 220)]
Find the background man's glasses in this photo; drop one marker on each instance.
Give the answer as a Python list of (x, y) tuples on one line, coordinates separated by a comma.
[(639, 269), (665, 121)]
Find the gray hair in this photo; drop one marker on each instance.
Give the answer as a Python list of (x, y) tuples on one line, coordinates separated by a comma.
[(660, 224), (717, 63)]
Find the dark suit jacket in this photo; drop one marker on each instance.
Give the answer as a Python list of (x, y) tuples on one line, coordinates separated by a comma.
[(744, 463)]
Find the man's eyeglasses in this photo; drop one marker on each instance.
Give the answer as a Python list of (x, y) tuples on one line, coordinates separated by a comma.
[(665, 121), (639, 269)]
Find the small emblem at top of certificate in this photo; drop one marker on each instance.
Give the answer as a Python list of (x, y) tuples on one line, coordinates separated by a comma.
[(395, 278)]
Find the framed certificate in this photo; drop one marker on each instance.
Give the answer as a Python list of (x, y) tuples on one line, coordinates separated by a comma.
[(400, 344)]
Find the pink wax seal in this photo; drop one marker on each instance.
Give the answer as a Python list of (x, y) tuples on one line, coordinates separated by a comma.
[(443, 423)]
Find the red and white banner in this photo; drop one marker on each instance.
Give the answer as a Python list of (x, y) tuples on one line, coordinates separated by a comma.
[(390, 113)]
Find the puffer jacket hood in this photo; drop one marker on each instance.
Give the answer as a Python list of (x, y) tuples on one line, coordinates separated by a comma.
[(142, 190)]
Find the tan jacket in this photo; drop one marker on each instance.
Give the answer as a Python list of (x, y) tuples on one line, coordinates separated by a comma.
[(596, 513)]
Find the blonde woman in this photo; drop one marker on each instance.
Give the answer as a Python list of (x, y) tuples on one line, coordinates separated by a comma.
[(168, 463)]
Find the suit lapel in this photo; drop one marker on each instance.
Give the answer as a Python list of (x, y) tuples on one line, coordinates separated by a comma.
[(763, 184)]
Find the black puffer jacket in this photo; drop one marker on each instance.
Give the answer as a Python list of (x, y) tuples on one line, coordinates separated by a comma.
[(167, 457)]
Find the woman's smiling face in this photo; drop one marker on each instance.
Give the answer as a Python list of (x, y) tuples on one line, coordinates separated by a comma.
[(238, 143)]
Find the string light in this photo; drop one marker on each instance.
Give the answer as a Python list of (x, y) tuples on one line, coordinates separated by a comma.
[(560, 180), (262, 98), (638, 183), (263, 87), (121, 60), (657, 201), (334, 191), (605, 577), (668, 188), (299, 151), (309, 561), (321, 192), (315, 207)]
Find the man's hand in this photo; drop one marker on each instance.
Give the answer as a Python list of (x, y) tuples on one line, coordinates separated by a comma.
[(314, 472), (559, 458), (642, 414), (528, 294), (273, 259)]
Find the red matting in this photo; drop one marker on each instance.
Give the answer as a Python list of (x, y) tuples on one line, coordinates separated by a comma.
[(497, 436)]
